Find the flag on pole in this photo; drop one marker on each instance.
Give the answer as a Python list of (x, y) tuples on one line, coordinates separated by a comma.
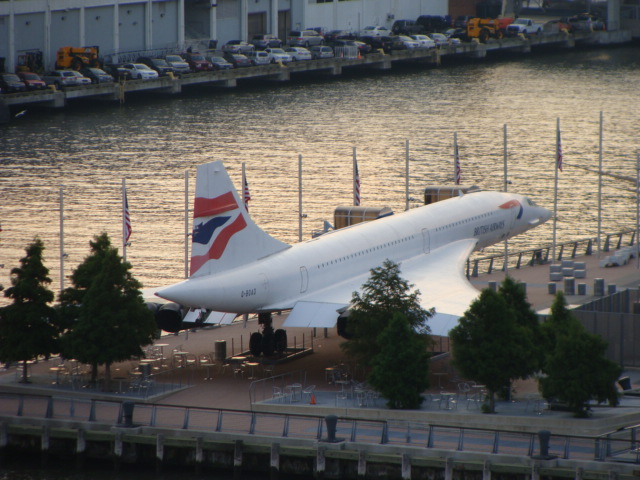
[(356, 184), (126, 219), (559, 149), (245, 190), (456, 161)]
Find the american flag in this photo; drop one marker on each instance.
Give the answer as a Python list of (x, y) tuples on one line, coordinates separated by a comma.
[(356, 185), (456, 161), (559, 151), (126, 219), (245, 191)]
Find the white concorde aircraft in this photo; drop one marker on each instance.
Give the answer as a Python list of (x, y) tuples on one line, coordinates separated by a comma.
[(236, 267)]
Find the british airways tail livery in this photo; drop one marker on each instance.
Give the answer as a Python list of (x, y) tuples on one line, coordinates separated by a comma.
[(238, 268)]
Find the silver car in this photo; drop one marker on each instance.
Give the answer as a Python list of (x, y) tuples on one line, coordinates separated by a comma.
[(178, 64), (320, 51), (304, 38)]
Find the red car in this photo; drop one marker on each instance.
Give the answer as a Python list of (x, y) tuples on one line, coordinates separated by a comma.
[(197, 62), (32, 81)]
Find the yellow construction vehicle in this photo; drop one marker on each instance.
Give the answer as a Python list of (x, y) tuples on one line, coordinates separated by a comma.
[(485, 28), (77, 57)]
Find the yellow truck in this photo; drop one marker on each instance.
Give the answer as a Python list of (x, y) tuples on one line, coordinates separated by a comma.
[(485, 28)]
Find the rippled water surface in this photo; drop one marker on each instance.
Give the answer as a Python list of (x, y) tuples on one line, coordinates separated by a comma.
[(152, 141)]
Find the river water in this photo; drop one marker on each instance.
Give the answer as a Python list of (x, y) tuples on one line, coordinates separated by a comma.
[(152, 140)]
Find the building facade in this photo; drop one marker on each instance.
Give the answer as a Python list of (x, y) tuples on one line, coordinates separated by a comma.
[(124, 29)]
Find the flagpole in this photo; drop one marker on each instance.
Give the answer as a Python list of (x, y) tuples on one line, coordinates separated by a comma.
[(300, 214), (186, 224), (600, 185), (506, 188), (356, 196), (555, 188), (61, 240), (406, 181), (124, 228), (456, 160)]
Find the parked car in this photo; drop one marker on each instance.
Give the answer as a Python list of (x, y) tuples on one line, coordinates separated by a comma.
[(321, 51), (219, 63), (434, 23), (160, 65), (82, 80), (406, 27), (265, 41), (238, 60), (459, 33), (461, 21), (278, 55), (96, 75), (11, 83), (259, 57), (61, 78), (375, 31), (304, 38), (197, 62), (339, 35), (585, 22), (408, 42), (237, 46), (117, 72), (140, 71), (33, 81), (298, 53), (377, 43), (178, 64), (424, 40), (439, 38)]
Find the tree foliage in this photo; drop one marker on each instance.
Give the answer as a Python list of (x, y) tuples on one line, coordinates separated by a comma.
[(401, 368), (383, 295), (576, 367), (489, 345), (29, 326), (110, 321)]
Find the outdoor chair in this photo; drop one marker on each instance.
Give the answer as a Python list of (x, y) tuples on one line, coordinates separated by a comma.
[(308, 392)]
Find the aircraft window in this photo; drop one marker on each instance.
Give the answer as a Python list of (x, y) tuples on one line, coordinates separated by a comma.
[(531, 203)]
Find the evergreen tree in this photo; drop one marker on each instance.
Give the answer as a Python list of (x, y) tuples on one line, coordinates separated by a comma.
[(110, 322), (487, 344), (384, 294), (28, 326), (576, 367), (401, 368)]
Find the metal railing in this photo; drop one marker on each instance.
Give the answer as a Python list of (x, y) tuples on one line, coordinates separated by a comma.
[(540, 256), (620, 445)]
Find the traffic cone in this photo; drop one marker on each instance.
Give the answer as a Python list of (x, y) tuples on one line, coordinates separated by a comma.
[(313, 399)]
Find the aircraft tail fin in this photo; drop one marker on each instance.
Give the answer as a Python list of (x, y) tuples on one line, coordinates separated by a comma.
[(224, 236)]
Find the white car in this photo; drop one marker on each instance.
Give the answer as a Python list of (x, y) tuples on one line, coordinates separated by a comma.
[(140, 71), (424, 41), (409, 42), (278, 55), (259, 57), (298, 53), (82, 80), (439, 39), (375, 31)]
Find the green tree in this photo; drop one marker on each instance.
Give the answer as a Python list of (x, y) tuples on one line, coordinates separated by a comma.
[(487, 344), (401, 368), (384, 294), (576, 367), (28, 326), (515, 295), (110, 322)]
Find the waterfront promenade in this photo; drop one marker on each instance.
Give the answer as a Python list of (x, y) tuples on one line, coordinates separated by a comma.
[(227, 390), (217, 419)]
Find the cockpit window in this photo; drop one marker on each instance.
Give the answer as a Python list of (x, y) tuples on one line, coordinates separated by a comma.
[(531, 203)]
